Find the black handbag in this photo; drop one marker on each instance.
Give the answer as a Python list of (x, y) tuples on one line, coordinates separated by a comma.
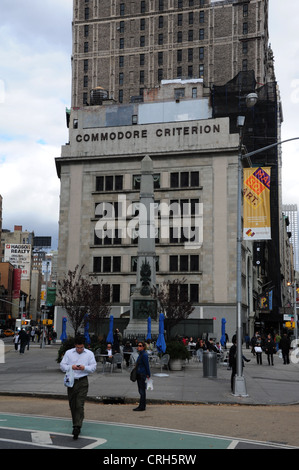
[(133, 374)]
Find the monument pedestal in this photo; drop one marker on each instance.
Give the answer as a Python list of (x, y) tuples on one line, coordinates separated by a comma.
[(142, 307)]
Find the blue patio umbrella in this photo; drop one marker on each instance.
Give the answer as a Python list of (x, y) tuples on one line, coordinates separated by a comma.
[(222, 339), (63, 335), (86, 329), (110, 333), (149, 328), (161, 345)]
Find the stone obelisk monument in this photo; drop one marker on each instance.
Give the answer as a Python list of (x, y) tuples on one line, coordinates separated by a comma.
[(142, 304)]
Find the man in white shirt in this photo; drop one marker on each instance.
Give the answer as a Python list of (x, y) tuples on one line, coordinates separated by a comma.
[(83, 362)]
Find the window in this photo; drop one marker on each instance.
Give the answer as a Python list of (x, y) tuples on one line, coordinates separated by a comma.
[(121, 61), (141, 59), (161, 5), (86, 46), (142, 41), (161, 21), (97, 263), (85, 66), (180, 36), (142, 6), (179, 55), (160, 58), (121, 26), (191, 17), (122, 9), (194, 293), (190, 35), (181, 180), (141, 76), (121, 43), (115, 292), (86, 30), (190, 55), (121, 79), (86, 13), (85, 81), (245, 10), (142, 24), (180, 19), (173, 263), (201, 71), (190, 71), (109, 183), (160, 39), (160, 75), (120, 96), (201, 53), (201, 33), (245, 28), (201, 16)]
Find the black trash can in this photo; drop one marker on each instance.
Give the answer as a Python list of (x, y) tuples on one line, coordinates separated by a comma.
[(209, 362)]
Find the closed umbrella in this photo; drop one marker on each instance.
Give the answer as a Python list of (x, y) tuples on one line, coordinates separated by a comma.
[(63, 336), (110, 333), (161, 345), (149, 328), (223, 340), (86, 329)]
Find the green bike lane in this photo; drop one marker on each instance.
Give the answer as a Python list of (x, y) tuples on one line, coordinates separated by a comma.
[(27, 431)]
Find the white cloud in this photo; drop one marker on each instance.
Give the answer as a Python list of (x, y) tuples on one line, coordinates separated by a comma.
[(35, 78)]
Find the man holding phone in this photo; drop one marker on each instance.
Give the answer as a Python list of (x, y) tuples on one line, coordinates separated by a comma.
[(83, 362)]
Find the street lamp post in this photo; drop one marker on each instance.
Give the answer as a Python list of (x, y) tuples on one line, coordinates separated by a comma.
[(239, 380)]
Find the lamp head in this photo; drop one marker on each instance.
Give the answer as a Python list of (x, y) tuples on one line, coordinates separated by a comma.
[(251, 100)]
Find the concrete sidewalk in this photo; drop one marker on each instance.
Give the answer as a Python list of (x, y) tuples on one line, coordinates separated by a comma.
[(36, 373)]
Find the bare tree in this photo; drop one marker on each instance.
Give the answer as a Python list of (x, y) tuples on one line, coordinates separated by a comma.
[(174, 303), (79, 296)]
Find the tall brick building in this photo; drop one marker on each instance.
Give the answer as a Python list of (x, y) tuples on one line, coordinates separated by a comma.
[(128, 46)]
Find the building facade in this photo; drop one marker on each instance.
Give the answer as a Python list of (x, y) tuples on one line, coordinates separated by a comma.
[(291, 212), (127, 47), (195, 168)]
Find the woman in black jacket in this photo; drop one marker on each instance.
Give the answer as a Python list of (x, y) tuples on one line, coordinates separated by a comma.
[(270, 349)]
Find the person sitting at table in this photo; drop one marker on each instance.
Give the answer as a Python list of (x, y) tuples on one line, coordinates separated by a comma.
[(149, 345), (109, 352), (127, 349)]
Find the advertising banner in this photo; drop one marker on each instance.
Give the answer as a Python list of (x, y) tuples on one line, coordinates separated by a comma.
[(17, 274), (20, 257), (256, 204)]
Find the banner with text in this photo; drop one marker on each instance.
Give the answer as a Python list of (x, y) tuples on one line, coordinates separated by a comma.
[(256, 207)]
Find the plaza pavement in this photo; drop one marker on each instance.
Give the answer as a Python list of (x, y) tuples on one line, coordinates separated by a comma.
[(36, 373)]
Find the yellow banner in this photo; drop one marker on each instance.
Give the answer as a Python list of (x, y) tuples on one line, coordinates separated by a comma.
[(256, 204)]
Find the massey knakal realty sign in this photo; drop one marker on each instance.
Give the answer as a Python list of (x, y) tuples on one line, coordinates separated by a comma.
[(20, 257)]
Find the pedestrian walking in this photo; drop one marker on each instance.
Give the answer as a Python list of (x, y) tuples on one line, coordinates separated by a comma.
[(83, 363), (23, 341), (232, 360), (258, 350), (270, 349), (16, 341), (285, 346), (143, 373)]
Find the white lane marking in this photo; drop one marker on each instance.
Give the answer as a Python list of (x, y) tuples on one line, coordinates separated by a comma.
[(41, 437)]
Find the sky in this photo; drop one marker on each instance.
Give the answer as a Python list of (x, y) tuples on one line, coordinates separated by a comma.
[(35, 89)]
